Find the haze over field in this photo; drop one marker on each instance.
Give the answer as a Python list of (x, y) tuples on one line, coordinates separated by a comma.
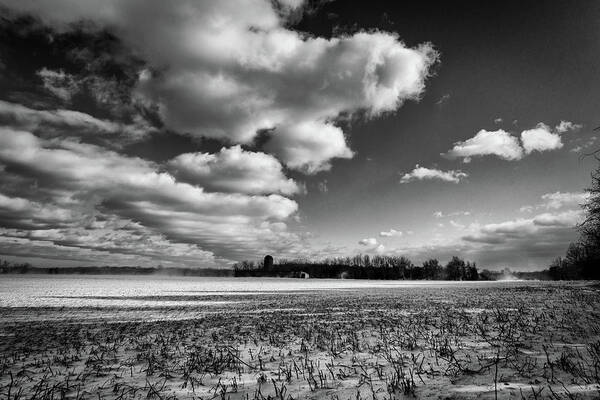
[(198, 133)]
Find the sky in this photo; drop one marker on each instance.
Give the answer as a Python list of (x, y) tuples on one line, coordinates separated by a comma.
[(201, 133)]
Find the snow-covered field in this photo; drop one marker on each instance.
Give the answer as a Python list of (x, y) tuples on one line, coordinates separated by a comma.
[(156, 337)]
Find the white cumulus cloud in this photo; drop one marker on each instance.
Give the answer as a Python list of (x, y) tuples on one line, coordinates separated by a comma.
[(229, 70), (309, 146), (233, 170), (371, 245), (498, 143), (540, 139), (368, 242), (506, 146)]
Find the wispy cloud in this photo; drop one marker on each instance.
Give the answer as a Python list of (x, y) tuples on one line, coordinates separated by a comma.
[(83, 183), (390, 233), (443, 100), (421, 173), (440, 214), (64, 122), (567, 126), (557, 200)]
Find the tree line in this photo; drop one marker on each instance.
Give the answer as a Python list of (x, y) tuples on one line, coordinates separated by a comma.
[(582, 258), (362, 266), (581, 261)]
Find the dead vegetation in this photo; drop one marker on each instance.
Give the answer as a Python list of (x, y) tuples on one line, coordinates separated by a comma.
[(504, 341)]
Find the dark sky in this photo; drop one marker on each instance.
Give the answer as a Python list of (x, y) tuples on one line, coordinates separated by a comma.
[(203, 133), (524, 62)]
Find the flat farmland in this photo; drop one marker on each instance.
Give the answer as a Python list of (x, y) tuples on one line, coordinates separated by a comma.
[(291, 339)]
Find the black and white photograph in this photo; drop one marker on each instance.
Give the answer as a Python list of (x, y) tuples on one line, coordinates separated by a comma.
[(299, 199)]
